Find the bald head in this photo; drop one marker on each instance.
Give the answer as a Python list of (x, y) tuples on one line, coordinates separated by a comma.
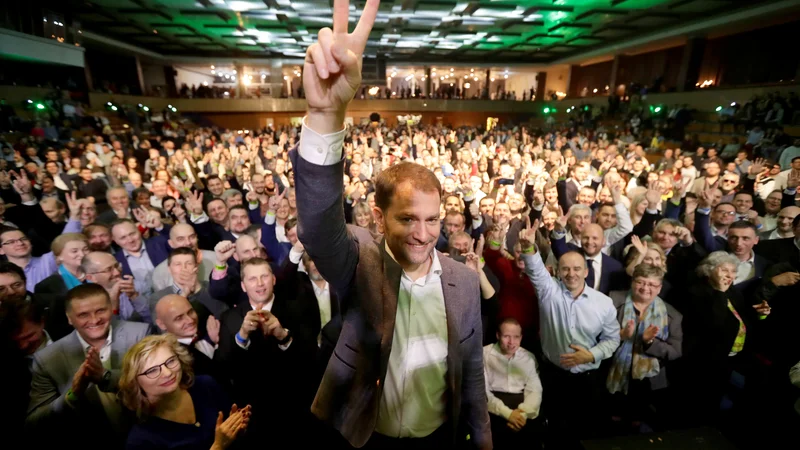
[(592, 239), (182, 235), (785, 218), (174, 314), (246, 248)]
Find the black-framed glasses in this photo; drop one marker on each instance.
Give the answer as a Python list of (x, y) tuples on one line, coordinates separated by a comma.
[(21, 240), (155, 371)]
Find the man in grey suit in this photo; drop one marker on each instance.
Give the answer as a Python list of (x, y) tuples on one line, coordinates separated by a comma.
[(407, 370), (74, 381)]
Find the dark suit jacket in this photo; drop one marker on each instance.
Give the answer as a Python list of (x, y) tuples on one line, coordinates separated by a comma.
[(52, 291), (352, 261), (668, 350), (612, 273), (567, 193), (157, 251)]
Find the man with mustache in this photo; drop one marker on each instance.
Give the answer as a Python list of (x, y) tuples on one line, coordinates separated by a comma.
[(407, 369), (579, 329)]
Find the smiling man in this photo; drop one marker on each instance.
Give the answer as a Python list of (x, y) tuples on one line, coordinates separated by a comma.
[(407, 369), (77, 376)]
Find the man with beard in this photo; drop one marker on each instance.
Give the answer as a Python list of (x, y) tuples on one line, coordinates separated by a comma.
[(183, 235), (68, 391), (99, 235), (579, 329)]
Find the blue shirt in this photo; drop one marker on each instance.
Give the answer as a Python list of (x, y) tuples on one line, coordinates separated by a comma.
[(41, 267), (589, 321)]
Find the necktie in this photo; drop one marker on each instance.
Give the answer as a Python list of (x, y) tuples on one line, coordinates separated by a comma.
[(590, 277)]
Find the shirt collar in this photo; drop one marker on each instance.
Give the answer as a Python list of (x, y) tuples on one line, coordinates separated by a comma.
[(499, 352), (267, 306), (85, 345), (142, 252), (598, 257), (436, 266)]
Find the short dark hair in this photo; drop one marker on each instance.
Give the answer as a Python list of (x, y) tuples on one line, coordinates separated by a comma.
[(84, 291), (6, 229), (795, 159), (723, 204), (744, 193), (140, 190), (254, 262), (120, 221), (290, 223), (606, 204), (742, 224), (508, 321), (213, 200), (418, 176), (14, 314), (235, 207), (181, 251), (9, 267)]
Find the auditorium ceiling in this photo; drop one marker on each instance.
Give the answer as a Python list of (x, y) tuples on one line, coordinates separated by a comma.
[(536, 31)]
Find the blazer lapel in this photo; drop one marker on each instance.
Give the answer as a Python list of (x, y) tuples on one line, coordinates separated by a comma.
[(119, 344), (451, 296), (389, 288), (73, 352)]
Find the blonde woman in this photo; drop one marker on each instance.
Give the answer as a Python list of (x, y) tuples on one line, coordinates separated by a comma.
[(175, 409), (638, 207), (68, 250), (362, 217)]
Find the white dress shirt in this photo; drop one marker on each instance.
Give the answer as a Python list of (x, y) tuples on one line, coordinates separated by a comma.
[(565, 321), (597, 266), (202, 345), (142, 270), (414, 398), (515, 375), (746, 270)]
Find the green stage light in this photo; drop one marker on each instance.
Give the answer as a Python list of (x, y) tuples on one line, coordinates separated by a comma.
[(145, 108), (658, 109), (546, 110), (113, 108), (39, 106), (719, 108)]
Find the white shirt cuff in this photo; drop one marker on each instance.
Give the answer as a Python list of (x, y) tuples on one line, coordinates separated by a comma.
[(322, 150), (202, 218), (295, 256), (269, 218)]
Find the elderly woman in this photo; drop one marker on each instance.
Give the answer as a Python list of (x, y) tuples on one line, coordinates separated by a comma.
[(176, 410), (68, 250), (720, 324), (650, 336)]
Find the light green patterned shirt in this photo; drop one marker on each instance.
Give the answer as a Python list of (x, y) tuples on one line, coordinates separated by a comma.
[(414, 393)]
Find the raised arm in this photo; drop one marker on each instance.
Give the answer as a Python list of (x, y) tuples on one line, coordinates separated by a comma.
[(332, 74), (534, 266)]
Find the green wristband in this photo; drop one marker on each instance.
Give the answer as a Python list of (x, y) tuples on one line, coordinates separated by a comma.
[(495, 244), (218, 267), (529, 250)]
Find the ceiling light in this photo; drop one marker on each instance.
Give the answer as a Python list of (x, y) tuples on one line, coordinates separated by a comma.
[(451, 69), (374, 90), (505, 76), (212, 67), (213, 71), (286, 77), (594, 91), (234, 71), (472, 70), (205, 83), (467, 85), (492, 79)]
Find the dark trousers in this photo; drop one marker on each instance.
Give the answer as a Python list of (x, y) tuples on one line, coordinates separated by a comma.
[(440, 439), (571, 403), (503, 437)]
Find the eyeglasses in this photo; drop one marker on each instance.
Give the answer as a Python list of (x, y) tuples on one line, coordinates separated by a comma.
[(640, 283), (730, 181), (727, 213), (21, 240), (108, 270), (155, 371)]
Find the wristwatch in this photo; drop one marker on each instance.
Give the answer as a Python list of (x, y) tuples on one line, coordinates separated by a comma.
[(288, 337)]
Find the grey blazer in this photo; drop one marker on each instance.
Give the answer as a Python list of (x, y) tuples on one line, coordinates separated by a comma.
[(668, 350), (53, 370), (355, 263)]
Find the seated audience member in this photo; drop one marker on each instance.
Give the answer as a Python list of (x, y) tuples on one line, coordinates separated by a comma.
[(138, 257), (99, 237), (68, 249), (127, 302), (183, 235), (651, 335), (175, 407), (579, 329), (513, 389), (256, 337), (720, 325), (183, 267), (75, 380), (195, 328)]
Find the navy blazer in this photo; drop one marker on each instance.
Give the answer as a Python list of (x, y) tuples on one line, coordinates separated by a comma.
[(157, 249), (611, 273)]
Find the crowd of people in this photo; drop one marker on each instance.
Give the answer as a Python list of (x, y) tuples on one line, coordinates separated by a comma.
[(213, 289), (691, 276)]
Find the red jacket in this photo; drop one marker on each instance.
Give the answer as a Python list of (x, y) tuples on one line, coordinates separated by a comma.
[(517, 297)]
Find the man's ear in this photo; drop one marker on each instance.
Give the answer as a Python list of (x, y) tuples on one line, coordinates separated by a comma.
[(161, 325), (377, 214)]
